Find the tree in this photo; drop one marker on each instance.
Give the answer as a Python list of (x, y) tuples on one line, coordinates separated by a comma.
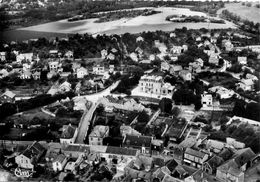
[(143, 117), (165, 105)]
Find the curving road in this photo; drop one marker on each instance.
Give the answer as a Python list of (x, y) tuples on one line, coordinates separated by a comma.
[(87, 116)]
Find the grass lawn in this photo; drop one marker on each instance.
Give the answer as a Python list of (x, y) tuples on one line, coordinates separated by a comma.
[(251, 13)]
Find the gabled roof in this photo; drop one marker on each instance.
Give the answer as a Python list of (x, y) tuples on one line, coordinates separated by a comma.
[(121, 151), (68, 131), (214, 162), (138, 141), (60, 158), (34, 150), (8, 93), (195, 153)]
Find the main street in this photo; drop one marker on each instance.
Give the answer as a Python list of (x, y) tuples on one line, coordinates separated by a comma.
[(87, 116)]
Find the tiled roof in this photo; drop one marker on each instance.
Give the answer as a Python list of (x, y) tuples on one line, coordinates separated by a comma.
[(138, 141), (9, 94), (60, 158), (196, 153), (34, 150), (121, 151), (68, 131)]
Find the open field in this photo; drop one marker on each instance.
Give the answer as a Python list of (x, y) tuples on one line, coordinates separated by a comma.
[(251, 13), (131, 25)]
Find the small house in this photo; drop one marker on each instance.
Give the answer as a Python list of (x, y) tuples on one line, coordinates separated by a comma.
[(59, 162)]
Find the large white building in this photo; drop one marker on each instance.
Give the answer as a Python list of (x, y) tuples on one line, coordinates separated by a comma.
[(155, 85)]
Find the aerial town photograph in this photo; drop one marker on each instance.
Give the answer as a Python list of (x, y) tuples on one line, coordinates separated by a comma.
[(130, 90)]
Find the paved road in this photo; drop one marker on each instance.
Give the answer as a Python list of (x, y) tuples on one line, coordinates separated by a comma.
[(87, 116)]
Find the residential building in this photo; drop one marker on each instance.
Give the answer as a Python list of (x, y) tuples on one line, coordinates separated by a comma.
[(165, 66), (222, 92), (214, 59), (210, 166), (185, 75), (3, 56), (194, 67), (215, 146), (25, 75), (242, 60), (234, 169), (24, 57), (121, 103), (206, 100), (252, 77), (243, 120), (195, 158), (54, 66), (69, 54), (81, 72), (7, 97), (141, 143), (103, 53), (69, 134), (59, 162), (36, 75), (3, 73), (111, 68), (227, 45), (65, 87), (175, 69), (176, 129), (246, 84), (128, 130), (139, 39), (154, 85), (134, 56), (98, 134), (200, 62), (74, 150), (99, 69), (30, 156)]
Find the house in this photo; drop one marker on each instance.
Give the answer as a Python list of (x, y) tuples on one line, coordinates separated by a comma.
[(215, 146), (121, 103), (222, 92), (154, 85), (65, 87), (81, 72), (252, 77), (103, 53), (210, 166), (111, 56), (54, 66), (25, 75), (214, 59), (24, 57), (234, 169), (185, 75), (53, 52), (246, 84), (98, 134), (69, 134), (74, 150), (59, 162), (3, 56), (231, 142), (194, 67), (165, 66), (194, 157), (30, 156), (111, 68), (7, 97), (242, 60), (3, 73), (176, 129), (206, 100), (36, 75), (141, 143), (99, 69), (177, 50), (175, 69), (243, 120), (69, 54), (200, 62), (172, 34), (134, 56), (228, 46), (139, 39)]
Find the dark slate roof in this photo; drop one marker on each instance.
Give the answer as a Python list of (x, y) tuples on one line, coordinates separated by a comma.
[(77, 148), (138, 141), (226, 154), (214, 162), (195, 153), (34, 151), (121, 151), (68, 131), (171, 165)]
